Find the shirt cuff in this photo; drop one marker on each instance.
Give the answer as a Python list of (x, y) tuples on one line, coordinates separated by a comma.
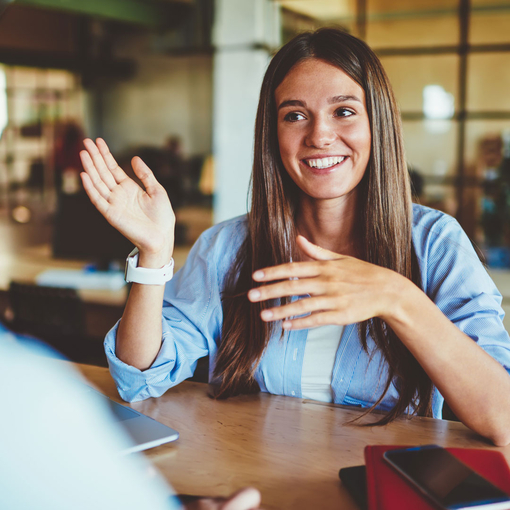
[(134, 384)]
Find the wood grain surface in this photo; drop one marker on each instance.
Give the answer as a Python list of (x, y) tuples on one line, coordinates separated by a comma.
[(291, 449)]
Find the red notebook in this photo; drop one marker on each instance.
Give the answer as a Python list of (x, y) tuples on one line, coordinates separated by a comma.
[(387, 490)]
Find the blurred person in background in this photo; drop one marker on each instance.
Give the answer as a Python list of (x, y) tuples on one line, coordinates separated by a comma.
[(66, 157)]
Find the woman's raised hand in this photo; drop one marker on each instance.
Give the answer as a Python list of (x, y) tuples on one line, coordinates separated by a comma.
[(145, 217), (342, 290)]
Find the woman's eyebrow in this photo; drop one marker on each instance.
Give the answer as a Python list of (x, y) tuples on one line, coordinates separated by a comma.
[(292, 102), (341, 99), (331, 100)]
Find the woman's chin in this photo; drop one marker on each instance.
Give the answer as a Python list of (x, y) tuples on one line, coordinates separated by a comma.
[(327, 194)]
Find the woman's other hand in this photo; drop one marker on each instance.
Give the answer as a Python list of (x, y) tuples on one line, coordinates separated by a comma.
[(342, 290), (145, 217)]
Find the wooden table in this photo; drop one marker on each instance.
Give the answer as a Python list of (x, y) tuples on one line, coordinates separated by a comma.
[(289, 448)]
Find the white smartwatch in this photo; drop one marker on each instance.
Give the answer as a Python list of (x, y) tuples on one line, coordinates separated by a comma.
[(145, 275)]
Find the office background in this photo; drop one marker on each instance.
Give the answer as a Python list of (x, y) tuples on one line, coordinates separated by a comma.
[(177, 82)]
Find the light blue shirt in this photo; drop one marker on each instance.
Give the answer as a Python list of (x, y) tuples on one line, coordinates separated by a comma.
[(452, 277), (59, 449)]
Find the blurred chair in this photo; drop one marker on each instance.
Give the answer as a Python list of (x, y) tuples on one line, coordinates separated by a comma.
[(55, 315)]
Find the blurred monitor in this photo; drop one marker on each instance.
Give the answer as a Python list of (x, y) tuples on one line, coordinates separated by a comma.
[(81, 232)]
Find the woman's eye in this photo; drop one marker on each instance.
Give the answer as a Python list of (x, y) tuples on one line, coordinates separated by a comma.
[(293, 117), (344, 112)]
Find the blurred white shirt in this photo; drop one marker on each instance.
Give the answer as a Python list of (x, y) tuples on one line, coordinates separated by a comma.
[(58, 446)]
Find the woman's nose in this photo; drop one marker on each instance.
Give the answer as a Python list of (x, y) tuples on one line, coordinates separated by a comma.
[(321, 134)]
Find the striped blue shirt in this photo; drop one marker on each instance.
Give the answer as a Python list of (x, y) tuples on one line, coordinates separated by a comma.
[(452, 277)]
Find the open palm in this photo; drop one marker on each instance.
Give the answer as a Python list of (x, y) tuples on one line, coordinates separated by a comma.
[(144, 216)]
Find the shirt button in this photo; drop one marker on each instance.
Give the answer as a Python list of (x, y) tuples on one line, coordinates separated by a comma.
[(292, 392)]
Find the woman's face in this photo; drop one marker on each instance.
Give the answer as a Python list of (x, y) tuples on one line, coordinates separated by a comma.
[(323, 129)]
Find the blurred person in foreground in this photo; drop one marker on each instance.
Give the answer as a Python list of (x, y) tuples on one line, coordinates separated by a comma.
[(59, 447)]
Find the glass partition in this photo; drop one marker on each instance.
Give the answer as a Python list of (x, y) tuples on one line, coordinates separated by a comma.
[(490, 22), (411, 74)]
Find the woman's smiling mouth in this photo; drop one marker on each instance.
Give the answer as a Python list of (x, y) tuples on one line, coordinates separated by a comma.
[(323, 163)]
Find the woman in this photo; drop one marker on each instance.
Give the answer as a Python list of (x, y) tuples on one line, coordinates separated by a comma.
[(391, 296)]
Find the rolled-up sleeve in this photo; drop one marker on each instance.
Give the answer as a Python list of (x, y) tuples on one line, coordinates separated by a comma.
[(192, 318)]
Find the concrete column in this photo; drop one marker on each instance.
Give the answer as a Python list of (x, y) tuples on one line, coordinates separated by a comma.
[(245, 33)]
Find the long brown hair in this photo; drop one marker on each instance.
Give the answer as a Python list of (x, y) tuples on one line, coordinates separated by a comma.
[(384, 217)]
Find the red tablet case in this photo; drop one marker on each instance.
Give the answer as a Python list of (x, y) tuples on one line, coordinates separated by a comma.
[(387, 490)]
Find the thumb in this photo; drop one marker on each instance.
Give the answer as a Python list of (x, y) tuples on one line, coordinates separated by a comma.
[(145, 174), (314, 251)]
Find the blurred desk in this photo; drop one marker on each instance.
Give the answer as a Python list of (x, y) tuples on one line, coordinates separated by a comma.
[(102, 307), (289, 448)]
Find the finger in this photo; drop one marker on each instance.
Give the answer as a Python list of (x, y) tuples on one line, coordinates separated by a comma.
[(315, 320), (99, 202), (118, 174), (99, 163), (297, 308), (289, 270), (94, 177), (287, 288), (314, 251), (145, 174), (245, 499)]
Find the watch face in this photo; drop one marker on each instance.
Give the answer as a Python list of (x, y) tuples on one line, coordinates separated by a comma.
[(131, 263)]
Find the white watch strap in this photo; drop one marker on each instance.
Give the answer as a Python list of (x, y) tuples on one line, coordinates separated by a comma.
[(145, 275)]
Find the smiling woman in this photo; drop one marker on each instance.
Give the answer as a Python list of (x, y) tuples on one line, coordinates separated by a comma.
[(334, 286), (326, 95)]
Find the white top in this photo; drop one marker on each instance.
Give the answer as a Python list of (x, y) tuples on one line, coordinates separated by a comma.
[(318, 362)]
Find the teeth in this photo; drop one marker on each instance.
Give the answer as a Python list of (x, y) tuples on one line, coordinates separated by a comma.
[(324, 162)]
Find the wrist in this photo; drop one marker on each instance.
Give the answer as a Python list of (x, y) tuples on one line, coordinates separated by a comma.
[(154, 260), (135, 273), (397, 298)]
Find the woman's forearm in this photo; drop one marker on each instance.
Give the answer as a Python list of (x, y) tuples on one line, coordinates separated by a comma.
[(476, 387), (145, 217), (140, 332)]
